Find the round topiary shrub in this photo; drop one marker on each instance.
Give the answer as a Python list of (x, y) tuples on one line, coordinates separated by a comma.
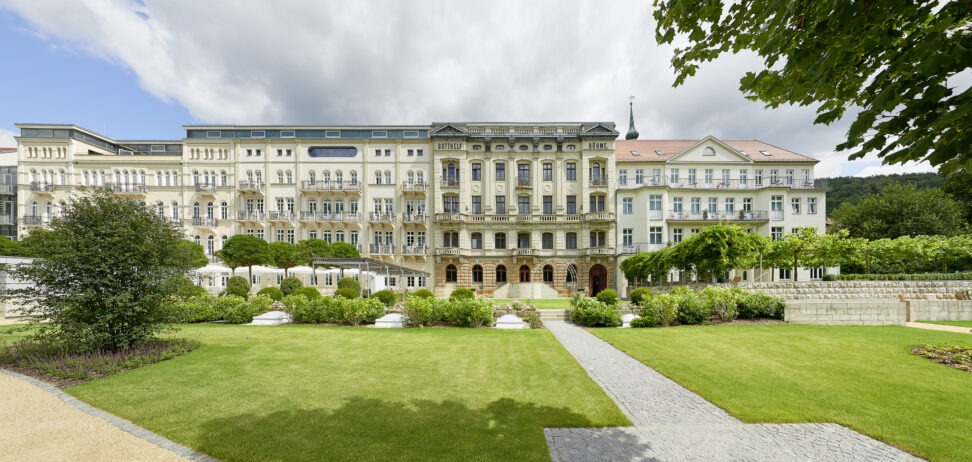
[(272, 292), (290, 284), (423, 293), (386, 297), (346, 292), (349, 283), (462, 293), (640, 294), (310, 292), (608, 297), (238, 285)]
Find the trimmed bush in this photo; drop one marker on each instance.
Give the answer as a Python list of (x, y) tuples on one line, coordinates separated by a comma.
[(274, 293), (662, 310), (346, 292), (295, 302), (423, 293), (690, 307), (239, 286), (754, 305), (469, 312), (386, 297), (640, 294), (608, 297), (594, 313), (350, 283), (420, 311), (290, 284), (311, 293), (722, 302), (462, 293), (244, 312)]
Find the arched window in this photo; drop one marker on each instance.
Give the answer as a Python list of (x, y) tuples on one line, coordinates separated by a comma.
[(524, 273), (197, 240), (160, 209), (64, 177), (223, 178), (500, 274), (249, 176), (158, 179), (141, 177), (195, 209), (411, 177), (33, 208), (325, 176), (571, 272), (377, 177), (548, 273), (354, 177), (259, 176), (209, 209), (223, 243), (175, 178), (290, 176), (420, 177), (280, 176), (477, 273), (452, 275), (338, 177), (224, 210), (195, 177), (87, 179), (388, 178), (175, 210), (210, 245), (311, 177)]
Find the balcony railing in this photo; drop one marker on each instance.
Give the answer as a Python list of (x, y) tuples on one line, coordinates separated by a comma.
[(381, 249), (281, 216), (726, 184), (414, 218), (449, 217), (523, 182), (206, 187), (450, 182), (204, 221), (414, 187), (351, 186), (600, 250), (39, 186), (323, 216), (449, 251), (126, 188), (628, 249), (522, 252), (250, 216), (34, 220), (414, 250), (741, 215), (599, 216), (381, 217), (598, 181), (251, 186)]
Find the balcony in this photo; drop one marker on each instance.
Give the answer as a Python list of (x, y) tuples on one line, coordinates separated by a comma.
[(742, 215), (126, 188), (381, 249), (728, 184), (381, 217), (8, 189), (450, 182), (204, 222), (600, 251), (414, 187), (448, 251), (450, 217), (522, 252), (420, 218), (41, 187), (323, 216), (251, 186), (34, 220), (523, 182), (250, 216), (599, 216), (415, 250), (598, 181), (629, 249), (326, 186), (206, 188), (281, 216)]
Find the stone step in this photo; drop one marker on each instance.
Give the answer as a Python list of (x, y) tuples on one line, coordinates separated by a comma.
[(553, 315)]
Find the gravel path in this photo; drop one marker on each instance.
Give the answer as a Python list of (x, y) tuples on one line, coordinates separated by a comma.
[(672, 423), (41, 422)]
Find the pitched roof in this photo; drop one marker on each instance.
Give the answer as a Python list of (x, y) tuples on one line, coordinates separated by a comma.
[(663, 150)]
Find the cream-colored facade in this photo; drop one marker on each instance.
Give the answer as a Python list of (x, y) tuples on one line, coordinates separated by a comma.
[(508, 209)]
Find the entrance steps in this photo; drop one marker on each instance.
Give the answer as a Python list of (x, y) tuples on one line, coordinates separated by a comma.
[(553, 315)]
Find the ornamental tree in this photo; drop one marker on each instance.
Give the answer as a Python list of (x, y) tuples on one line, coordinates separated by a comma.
[(284, 255), (893, 63), (243, 250), (104, 273)]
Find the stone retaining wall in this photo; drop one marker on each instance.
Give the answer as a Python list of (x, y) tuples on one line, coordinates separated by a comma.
[(875, 312), (861, 290)]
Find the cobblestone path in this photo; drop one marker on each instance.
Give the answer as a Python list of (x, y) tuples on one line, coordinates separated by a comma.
[(674, 424)]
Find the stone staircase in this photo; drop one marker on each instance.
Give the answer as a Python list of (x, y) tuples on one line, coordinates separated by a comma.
[(553, 315)]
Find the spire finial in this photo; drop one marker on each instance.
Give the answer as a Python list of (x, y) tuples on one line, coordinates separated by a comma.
[(632, 131)]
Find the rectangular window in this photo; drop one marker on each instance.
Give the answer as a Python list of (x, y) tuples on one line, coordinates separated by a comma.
[(743, 176), (655, 235), (623, 177), (691, 176), (411, 152), (450, 239), (759, 177), (713, 205), (571, 240), (677, 235), (547, 171), (596, 203), (725, 177), (747, 204), (627, 206), (696, 204), (500, 171), (571, 205), (708, 176), (477, 171), (776, 203), (673, 175), (789, 177), (476, 240), (639, 176), (677, 204), (776, 233), (548, 205), (812, 205), (501, 205), (523, 205), (655, 204), (571, 171), (420, 153), (500, 240), (627, 236), (547, 241), (730, 205), (795, 205), (477, 205), (655, 176), (387, 152), (598, 239), (774, 177)]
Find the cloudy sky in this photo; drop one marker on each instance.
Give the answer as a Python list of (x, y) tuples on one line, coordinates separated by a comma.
[(136, 71)]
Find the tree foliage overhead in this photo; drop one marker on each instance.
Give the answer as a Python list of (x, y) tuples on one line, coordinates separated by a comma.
[(892, 59), (902, 210), (104, 272)]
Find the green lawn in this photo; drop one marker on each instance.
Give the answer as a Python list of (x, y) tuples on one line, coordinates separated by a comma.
[(342, 393), (540, 303), (951, 323), (862, 377)]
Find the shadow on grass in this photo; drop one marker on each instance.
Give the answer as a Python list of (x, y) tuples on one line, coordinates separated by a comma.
[(371, 429)]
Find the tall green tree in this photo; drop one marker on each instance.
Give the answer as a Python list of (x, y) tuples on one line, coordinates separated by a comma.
[(720, 248), (243, 250), (902, 210), (891, 62), (104, 273), (959, 186), (284, 255)]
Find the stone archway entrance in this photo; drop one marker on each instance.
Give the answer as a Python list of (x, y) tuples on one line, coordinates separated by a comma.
[(597, 280)]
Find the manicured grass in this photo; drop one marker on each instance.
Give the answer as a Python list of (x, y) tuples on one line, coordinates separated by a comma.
[(540, 303), (862, 377), (951, 323), (342, 393)]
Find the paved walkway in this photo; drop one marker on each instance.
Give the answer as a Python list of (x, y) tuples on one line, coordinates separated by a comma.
[(41, 422), (672, 423), (941, 327)]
